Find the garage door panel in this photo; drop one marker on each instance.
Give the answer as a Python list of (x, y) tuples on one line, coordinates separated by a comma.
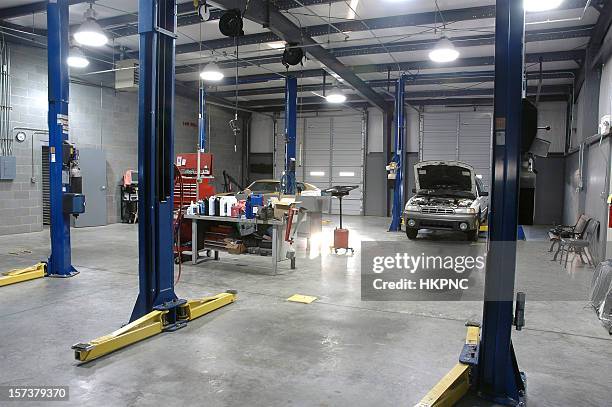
[(347, 158), (439, 136), (475, 143), (463, 136), (331, 153)]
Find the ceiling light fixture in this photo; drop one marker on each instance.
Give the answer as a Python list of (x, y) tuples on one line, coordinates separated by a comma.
[(211, 72), (335, 96), (90, 33), (76, 58), (444, 51), (541, 5)]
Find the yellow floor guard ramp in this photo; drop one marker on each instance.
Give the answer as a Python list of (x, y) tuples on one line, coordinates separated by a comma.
[(456, 383), (18, 275), (151, 324)]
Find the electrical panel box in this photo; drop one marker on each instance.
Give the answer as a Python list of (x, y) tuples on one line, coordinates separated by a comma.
[(8, 168)]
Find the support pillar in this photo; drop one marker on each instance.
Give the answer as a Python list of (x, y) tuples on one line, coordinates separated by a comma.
[(288, 183), (156, 26), (60, 264), (498, 375), (399, 157)]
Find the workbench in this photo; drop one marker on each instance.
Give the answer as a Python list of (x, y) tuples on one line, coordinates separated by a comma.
[(279, 246)]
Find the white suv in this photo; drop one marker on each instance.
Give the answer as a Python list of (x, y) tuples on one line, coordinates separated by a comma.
[(449, 196)]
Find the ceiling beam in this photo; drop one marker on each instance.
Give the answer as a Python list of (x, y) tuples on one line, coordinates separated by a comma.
[(595, 44), (428, 94), (407, 20), (574, 55), (448, 102), (126, 25), (263, 12), (421, 79), (598, 44), (409, 46), (32, 8)]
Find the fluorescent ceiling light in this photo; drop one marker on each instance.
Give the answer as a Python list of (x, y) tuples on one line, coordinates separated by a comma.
[(335, 96), (76, 58), (276, 44), (347, 174), (317, 173), (444, 51), (211, 72), (90, 33), (541, 5)]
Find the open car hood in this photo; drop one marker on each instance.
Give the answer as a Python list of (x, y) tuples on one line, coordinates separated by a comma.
[(445, 175)]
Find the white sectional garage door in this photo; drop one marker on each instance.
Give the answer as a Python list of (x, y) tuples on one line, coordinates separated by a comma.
[(330, 152), (462, 136), (347, 161)]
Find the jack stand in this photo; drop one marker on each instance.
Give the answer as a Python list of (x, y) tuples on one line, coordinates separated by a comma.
[(456, 383), (166, 318), (18, 275)]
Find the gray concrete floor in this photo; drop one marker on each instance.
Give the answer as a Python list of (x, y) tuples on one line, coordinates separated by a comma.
[(265, 351)]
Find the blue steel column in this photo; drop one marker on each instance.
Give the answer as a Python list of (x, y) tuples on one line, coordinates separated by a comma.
[(156, 23), (399, 158), (498, 374), (202, 119), (290, 134), (59, 264)]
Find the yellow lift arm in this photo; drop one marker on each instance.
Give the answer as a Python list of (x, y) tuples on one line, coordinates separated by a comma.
[(18, 275), (455, 384), (151, 324)]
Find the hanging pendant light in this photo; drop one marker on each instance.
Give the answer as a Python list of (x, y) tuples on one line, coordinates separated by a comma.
[(444, 51), (541, 5), (335, 96), (211, 72), (76, 58), (90, 33)]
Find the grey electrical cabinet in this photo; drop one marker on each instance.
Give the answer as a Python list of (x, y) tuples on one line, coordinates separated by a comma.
[(8, 167)]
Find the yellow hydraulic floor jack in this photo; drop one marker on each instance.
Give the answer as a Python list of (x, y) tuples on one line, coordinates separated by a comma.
[(18, 275)]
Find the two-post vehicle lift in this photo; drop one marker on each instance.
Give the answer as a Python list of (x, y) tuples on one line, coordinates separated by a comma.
[(157, 307)]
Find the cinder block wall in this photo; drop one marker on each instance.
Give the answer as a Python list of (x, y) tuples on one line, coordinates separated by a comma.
[(99, 118)]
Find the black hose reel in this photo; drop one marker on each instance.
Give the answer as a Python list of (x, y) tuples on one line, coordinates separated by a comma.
[(293, 55), (231, 24)]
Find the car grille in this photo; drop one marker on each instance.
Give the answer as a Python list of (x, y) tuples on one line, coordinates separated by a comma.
[(437, 210)]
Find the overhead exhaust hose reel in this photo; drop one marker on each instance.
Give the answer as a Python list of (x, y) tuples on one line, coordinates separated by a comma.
[(231, 24), (293, 55)]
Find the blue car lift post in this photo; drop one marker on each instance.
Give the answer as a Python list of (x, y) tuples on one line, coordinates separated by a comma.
[(59, 263), (399, 157), (488, 363), (157, 307), (288, 179)]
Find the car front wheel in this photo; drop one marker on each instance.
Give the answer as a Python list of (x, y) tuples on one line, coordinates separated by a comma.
[(473, 234), (412, 233)]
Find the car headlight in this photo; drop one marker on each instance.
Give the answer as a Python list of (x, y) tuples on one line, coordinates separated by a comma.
[(413, 208), (470, 211)]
